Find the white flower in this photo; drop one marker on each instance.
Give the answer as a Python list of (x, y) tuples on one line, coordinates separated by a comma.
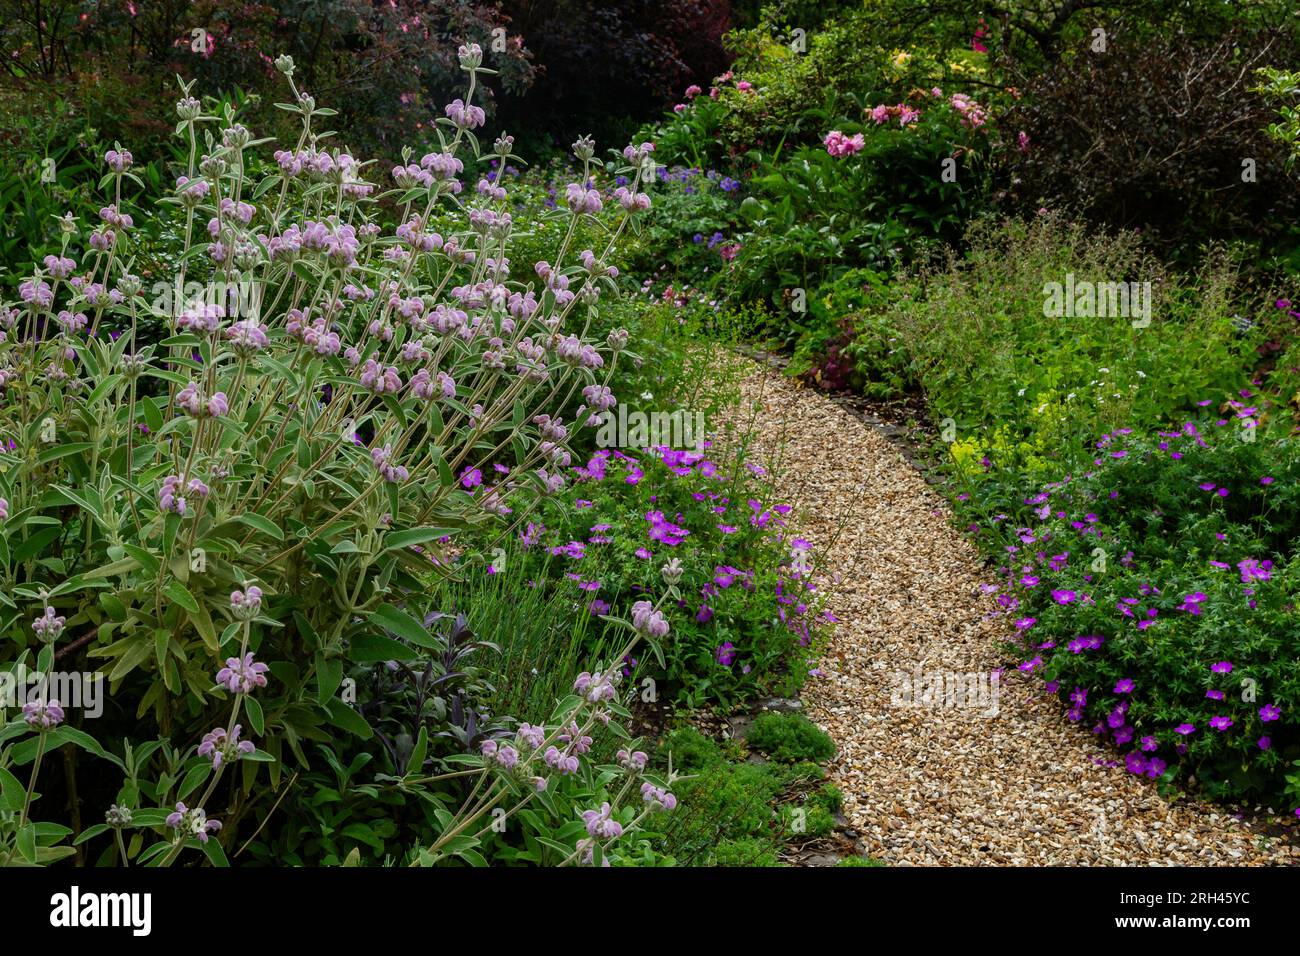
[(1021, 393)]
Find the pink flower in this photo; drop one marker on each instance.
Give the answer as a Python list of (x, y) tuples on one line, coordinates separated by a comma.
[(240, 676), (838, 144)]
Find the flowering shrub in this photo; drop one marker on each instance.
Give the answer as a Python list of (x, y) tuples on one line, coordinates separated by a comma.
[(1156, 593), (225, 521), (747, 620)]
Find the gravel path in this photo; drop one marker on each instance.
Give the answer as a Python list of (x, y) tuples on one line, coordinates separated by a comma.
[(949, 785)]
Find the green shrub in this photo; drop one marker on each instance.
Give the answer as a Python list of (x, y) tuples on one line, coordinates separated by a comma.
[(746, 851), (789, 737), (1028, 388)]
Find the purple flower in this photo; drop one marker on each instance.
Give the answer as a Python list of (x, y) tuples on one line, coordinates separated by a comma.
[(48, 627), (245, 605), (1220, 723), (600, 824), (1269, 712), (726, 654), (1223, 667), (1184, 729), (43, 715), (241, 676), (192, 822), (218, 745), (647, 621), (1124, 685)]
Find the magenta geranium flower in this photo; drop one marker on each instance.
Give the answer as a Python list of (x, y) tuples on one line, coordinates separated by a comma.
[(1220, 723), (1124, 685), (1269, 712), (1185, 729), (1223, 667)]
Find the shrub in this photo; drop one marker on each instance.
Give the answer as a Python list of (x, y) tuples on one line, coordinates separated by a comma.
[(747, 852), (605, 67), (1156, 593), (1028, 388), (1154, 134), (748, 619), (275, 484), (789, 737)]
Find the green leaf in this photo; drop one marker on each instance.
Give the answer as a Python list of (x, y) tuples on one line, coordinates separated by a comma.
[(343, 716), (369, 648), (256, 719), (402, 624), (359, 831), (261, 524), (90, 833), (202, 622), (27, 842), (404, 539), (181, 595), (12, 791), (215, 854), (35, 544), (416, 760), (195, 776), (329, 675), (79, 738), (62, 451)]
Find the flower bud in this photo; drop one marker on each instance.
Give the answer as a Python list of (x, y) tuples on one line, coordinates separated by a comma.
[(672, 571), (470, 56), (584, 148), (284, 63)]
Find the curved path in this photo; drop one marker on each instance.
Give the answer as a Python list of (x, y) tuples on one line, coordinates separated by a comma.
[(943, 785)]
